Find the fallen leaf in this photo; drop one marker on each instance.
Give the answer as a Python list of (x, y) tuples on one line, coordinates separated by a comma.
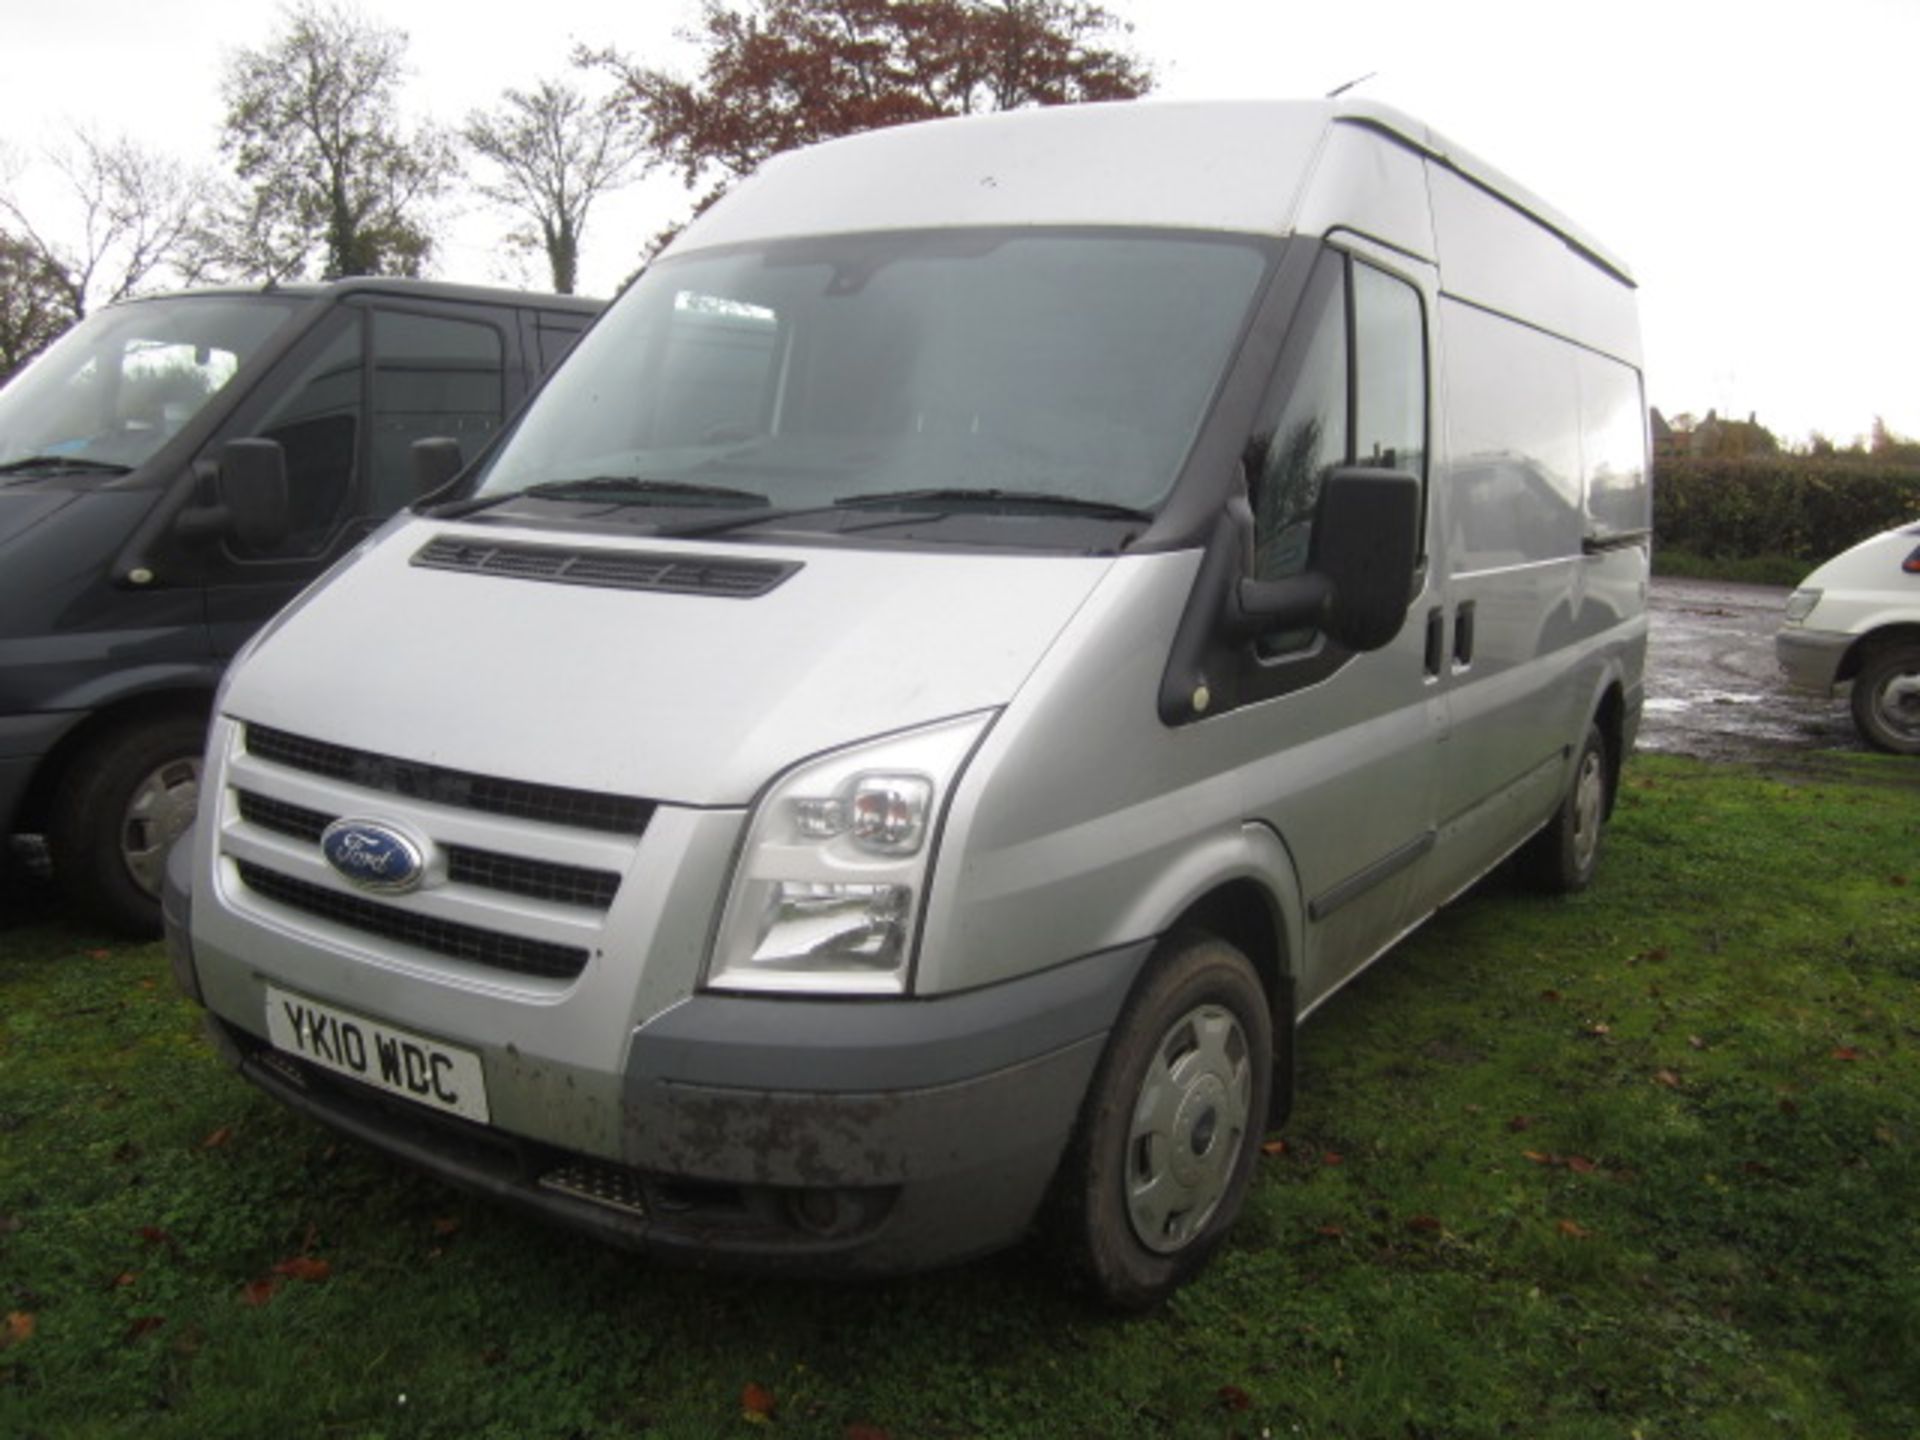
[(259, 1292), (123, 1279), (1754, 1167), (1330, 1157), (857, 1431), (1580, 1165), (1519, 1123), (1539, 1158), (1423, 1224), (1550, 995), (1666, 1078), (756, 1401), (446, 1225), (1789, 1106), (142, 1325), (1696, 1043), (146, 984), (1234, 1398), (99, 954), (19, 1328), (1845, 1052), (1598, 1028), (1328, 1232), (1897, 881), (154, 1235), (1574, 1230), (217, 1138), (10, 1224), (303, 1267)]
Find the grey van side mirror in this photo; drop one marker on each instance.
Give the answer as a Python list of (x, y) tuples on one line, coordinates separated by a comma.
[(251, 499), (252, 485), (1359, 577), (435, 460)]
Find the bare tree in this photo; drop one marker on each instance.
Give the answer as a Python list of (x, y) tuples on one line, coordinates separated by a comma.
[(314, 134), (128, 216), (555, 152)]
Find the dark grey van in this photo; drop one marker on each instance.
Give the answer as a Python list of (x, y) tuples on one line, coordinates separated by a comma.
[(127, 579)]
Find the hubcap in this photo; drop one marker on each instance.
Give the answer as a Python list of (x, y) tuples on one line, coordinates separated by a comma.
[(1589, 799), (1898, 705), (161, 809), (1188, 1123)]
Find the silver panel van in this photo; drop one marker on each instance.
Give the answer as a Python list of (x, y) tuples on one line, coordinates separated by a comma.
[(995, 626)]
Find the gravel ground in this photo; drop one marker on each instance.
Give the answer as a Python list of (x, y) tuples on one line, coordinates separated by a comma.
[(1713, 687)]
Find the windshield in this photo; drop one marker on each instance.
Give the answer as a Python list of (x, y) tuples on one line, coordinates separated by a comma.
[(917, 367), (112, 390)]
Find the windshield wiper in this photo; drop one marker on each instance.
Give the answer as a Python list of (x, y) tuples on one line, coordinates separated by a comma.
[(617, 489), (927, 499), (1022, 499), (63, 465)]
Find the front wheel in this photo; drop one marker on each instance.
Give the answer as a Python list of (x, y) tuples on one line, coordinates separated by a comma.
[(1564, 857), (1165, 1149), (123, 802), (1886, 699)]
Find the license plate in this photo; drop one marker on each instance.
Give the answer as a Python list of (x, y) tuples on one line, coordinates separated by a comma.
[(435, 1074)]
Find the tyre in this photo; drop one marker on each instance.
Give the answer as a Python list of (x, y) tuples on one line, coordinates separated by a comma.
[(1171, 1126), (1564, 857), (1886, 699), (121, 803)]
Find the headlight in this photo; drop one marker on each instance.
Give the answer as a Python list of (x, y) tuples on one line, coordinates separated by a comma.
[(828, 887), (1800, 605)]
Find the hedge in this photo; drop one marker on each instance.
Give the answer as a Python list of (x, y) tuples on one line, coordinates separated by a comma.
[(1789, 505)]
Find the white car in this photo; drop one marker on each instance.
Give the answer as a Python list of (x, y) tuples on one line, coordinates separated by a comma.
[(1857, 619)]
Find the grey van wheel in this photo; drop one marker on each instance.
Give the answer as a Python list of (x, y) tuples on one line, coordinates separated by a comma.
[(123, 801), (1565, 856), (1886, 699), (1165, 1148)]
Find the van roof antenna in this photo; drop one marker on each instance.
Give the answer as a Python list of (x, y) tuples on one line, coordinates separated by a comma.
[(1339, 90)]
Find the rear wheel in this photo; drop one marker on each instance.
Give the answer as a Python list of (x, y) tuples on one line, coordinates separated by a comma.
[(1565, 855), (122, 803), (1164, 1153), (1886, 699)]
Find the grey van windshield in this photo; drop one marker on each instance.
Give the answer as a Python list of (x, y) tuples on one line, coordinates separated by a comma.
[(116, 387), (1076, 364)]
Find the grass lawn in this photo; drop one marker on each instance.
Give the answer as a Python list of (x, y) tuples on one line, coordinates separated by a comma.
[(1639, 1163)]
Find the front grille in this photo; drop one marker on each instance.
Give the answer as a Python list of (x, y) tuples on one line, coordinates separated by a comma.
[(462, 942), (724, 577), (282, 818), (517, 799), (513, 874), (535, 879)]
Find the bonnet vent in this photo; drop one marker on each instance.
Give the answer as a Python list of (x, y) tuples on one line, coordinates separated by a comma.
[(732, 577)]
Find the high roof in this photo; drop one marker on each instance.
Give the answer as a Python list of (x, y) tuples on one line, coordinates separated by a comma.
[(1212, 165)]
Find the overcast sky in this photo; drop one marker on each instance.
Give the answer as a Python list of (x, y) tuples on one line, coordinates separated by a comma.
[(1751, 161)]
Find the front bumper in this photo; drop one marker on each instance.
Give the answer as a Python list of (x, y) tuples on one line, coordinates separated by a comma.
[(819, 1136), (1811, 658)]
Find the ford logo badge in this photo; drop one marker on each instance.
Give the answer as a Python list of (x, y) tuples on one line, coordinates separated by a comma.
[(373, 856)]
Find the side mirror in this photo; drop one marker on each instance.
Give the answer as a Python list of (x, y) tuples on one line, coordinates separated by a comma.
[(1366, 541), (1359, 577), (252, 485), (435, 461)]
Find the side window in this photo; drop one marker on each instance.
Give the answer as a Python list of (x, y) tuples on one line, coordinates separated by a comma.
[(556, 339), (1352, 389), (431, 376), (1305, 435), (1390, 411), (317, 422)]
